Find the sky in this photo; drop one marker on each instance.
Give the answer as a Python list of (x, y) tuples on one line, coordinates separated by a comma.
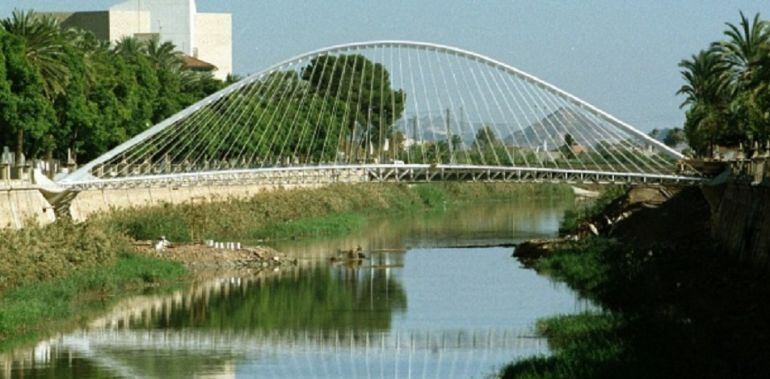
[(619, 55)]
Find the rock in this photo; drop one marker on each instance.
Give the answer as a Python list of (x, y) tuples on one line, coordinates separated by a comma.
[(530, 251)]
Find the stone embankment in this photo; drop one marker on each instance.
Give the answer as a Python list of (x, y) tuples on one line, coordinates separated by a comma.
[(648, 218), (731, 213), (20, 204)]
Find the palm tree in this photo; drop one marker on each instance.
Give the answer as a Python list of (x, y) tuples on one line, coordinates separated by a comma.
[(128, 47), (45, 47), (706, 79), (164, 56), (45, 52), (705, 90), (744, 48)]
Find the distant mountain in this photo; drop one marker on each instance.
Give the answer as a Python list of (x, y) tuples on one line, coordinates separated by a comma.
[(551, 128), (558, 122)]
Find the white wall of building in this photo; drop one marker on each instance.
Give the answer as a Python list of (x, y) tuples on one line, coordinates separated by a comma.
[(206, 36), (127, 23), (174, 20), (213, 40)]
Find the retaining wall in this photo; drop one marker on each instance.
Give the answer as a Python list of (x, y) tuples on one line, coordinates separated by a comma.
[(93, 201), (741, 220), (21, 205)]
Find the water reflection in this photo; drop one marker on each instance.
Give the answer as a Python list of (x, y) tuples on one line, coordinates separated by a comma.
[(311, 299), (415, 308), (478, 224)]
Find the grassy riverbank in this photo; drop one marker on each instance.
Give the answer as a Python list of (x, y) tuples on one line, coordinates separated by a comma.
[(32, 310), (57, 275), (672, 308), (302, 213), (53, 276)]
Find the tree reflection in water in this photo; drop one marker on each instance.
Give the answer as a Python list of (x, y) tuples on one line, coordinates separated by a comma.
[(319, 300)]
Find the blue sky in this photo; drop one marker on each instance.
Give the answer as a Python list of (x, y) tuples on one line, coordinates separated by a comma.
[(619, 55)]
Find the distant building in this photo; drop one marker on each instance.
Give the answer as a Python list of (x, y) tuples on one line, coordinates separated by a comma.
[(204, 38)]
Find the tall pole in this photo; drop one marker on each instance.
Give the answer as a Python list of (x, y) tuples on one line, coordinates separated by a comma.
[(449, 137)]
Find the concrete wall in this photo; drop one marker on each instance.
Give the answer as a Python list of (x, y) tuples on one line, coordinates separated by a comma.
[(126, 24), (214, 41), (19, 205), (94, 201), (91, 202)]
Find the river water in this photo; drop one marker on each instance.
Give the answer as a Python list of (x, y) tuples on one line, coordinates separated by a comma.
[(439, 297)]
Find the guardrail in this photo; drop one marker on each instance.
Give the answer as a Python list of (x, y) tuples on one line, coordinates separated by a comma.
[(755, 171)]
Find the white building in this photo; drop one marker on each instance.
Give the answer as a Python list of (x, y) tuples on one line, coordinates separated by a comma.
[(204, 36)]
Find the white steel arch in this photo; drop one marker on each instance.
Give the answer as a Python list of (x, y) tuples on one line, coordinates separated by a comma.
[(593, 116)]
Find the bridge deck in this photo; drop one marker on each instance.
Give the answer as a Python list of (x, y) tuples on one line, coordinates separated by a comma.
[(382, 173)]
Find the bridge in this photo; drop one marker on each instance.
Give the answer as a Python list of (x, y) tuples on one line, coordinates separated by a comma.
[(385, 111)]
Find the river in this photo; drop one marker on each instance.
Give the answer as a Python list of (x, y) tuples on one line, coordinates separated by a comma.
[(439, 297)]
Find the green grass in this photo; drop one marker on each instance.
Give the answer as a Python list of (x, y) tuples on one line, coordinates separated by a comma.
[(334, 224), (331, 210), (29, 311), (586, 345)]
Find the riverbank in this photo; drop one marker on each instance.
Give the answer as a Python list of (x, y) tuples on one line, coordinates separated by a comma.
[(80, 269), (673, 304), (30, 311), (307, 213)]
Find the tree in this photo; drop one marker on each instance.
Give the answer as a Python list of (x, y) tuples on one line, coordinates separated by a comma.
[(372, 105), (167, 63), (745, 52), (674, 137), (706, 95), (742, 51), (567, 148), (457, 142), (44, 47), (25, 113), (486, 137), (64, 89), (43, 67)]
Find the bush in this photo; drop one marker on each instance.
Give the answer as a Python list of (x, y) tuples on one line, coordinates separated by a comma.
[(42, 253)]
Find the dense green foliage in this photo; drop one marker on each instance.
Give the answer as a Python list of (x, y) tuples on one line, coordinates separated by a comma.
[(372, 106), (727, 89), (34, 308), (331, 109), (305, 212), (63, 89), (286, 117)]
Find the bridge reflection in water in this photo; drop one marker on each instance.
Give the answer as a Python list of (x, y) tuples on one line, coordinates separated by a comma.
[(186, 326), (334, 321)]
